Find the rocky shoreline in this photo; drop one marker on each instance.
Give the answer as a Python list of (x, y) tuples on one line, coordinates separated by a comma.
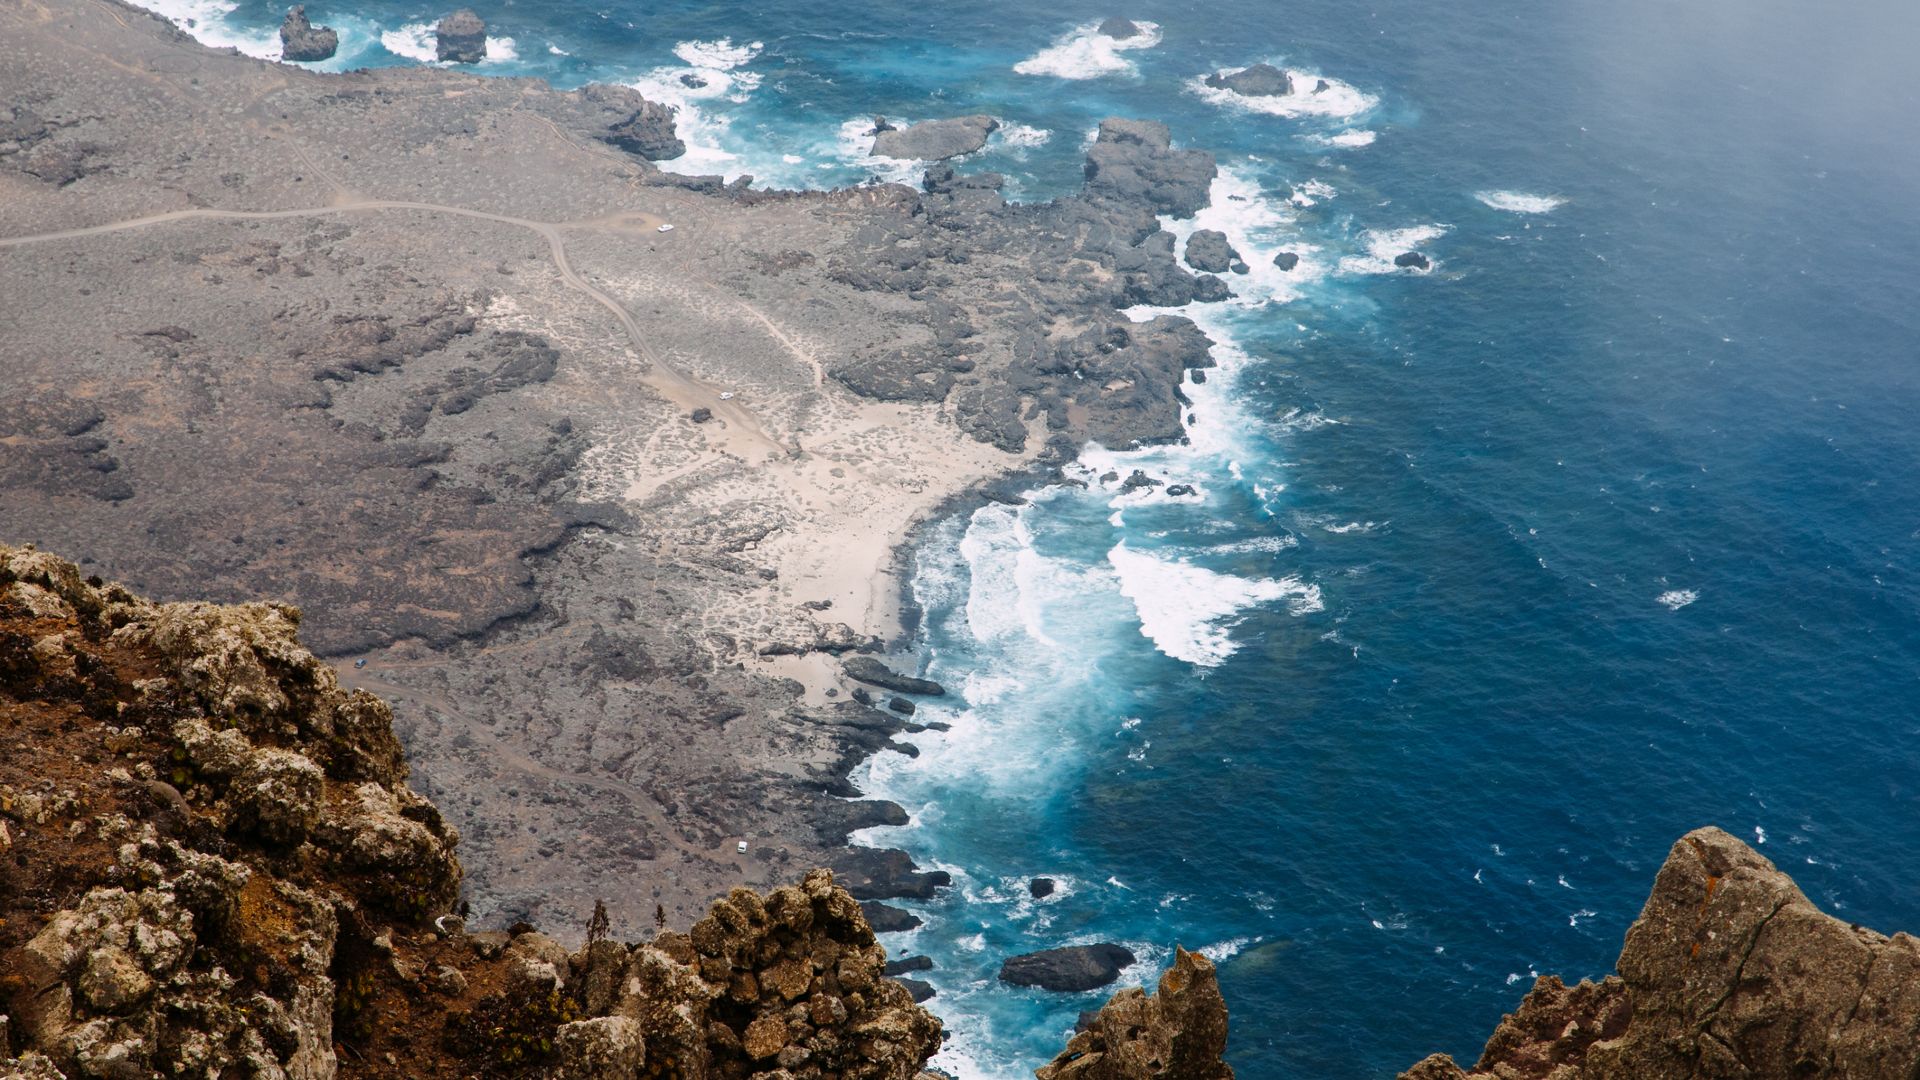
[(447, 451)]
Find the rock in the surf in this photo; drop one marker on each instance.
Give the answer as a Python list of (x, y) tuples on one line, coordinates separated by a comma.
[(1286, 260), (461, 38), (935, 140), (1208, 250), (1260, 80), (302, 41), (1070, 969), (1040, 888), (1120, 29), (1411, 260)]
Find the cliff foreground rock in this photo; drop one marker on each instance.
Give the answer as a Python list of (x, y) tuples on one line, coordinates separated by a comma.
[(215, 868), (1730, 971)]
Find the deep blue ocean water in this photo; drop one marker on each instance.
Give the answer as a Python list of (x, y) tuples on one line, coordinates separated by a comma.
[(1501, 577)]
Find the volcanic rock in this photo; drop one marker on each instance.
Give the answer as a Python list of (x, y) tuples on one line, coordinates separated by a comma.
[(1134, 161), (933, 140), (1286, 260), (1178, 1033), (868, 670), (1412, 260), (629, 121), (1119, 29), (1040, 888), (1073, 968), (461, 37), (887, 919), (302, 41), (1260, 80), (1208, 250)]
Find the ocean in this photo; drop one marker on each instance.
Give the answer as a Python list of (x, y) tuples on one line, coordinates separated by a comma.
[(1497, 577)]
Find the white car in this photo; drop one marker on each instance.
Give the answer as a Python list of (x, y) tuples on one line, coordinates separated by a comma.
[(666, 226)]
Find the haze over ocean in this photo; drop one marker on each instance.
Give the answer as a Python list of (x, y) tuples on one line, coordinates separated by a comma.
[(1498, 577)]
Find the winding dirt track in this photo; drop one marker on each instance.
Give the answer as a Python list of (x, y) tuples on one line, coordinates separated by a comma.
[(742, 433)]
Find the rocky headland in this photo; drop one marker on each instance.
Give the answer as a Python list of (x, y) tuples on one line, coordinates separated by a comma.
[(302, 41)]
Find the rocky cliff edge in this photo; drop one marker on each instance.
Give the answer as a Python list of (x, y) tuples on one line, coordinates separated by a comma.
[(1730, 971)]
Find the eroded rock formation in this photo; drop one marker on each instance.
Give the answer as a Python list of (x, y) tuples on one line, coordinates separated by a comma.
[(461, 38), (221, 871), (302, 41), (934, 140), (1177, 1033), (1730, 971)]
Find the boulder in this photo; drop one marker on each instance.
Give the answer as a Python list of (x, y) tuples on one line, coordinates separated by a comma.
[(605, 1048), (1208, 250), (1729, 971), (1260, 80), (461, 38), (868, 670), (1040, 888), (1137, 480), (908, 963), (1133, 161), (692, 81), (901, 705), (1286, 260), (1177, 1033), (304, 42), (1178, 491), (887, 874), (934, 140), (1412, 260), (919, 990), (887, 919), (1119, 29), (1073, 968)]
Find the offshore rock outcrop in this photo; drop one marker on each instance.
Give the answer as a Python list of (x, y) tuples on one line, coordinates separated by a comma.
[(302, 41), (216, 868), (1260, 80), (461, 38), (1730, 971), (1177, 1033), (933, 140)]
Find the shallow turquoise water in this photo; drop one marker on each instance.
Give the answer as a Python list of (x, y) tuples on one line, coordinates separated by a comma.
[(1501, 577)]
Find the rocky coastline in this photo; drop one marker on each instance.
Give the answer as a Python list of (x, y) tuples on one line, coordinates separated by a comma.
[(424, 392)]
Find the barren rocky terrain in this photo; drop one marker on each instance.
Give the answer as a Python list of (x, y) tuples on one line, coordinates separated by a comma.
[(596, 505)]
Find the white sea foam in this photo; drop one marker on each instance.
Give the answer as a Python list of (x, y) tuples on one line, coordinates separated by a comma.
[(853, 145), (1311, 192), (501, 50), (1675, 599), (1188, 611), (1086, 53), (1259, 227), (557, 50), (207, 21), (414, 41), (1022, 136), (1351, 139), (1385, 245), (1519, 202), (1339, 101)]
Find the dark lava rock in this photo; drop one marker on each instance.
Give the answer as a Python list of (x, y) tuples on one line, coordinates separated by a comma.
[(880, 124), (887, 919), (1208, 289), (868, 670), (1321, 86), (1134, 161), (701, 415), (302, 41), (1208, 250), (906, 964), (901, 705), (1240, 267), (944, 180), (1119, 28), (1071, 969), (1179, 490), (1260, 80), (861, 695), (886, 874), (1040, 887), (935, 140), (1286, 260), (692, 81), (628, 120), (1412, 260), (1139, 480), (920, 991), (461, 37)]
